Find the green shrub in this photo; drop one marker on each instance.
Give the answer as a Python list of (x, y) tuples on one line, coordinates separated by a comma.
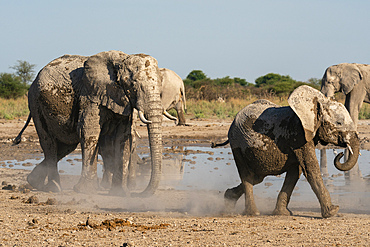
[(11, 86)]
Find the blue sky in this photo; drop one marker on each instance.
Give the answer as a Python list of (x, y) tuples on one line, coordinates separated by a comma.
[(237, 38)]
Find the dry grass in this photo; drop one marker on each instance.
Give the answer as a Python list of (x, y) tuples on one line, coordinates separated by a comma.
[(223, 109), (13, 108), (201, 109)]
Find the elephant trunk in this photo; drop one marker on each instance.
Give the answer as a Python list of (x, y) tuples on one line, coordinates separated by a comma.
[(154, 114), (354, 147)]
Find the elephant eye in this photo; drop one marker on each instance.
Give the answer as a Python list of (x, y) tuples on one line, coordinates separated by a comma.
[(339, 122)]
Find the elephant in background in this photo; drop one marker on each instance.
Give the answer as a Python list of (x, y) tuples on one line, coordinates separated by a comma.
[(90, 101), (173, 94), (354, 81), (267, 139)]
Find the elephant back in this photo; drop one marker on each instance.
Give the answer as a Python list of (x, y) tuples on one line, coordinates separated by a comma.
[(55, 85), (241, 130)]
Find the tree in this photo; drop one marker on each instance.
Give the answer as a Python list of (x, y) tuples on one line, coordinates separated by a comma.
[(271, 79), (196, 75), (315, 82), (11, 86), (24, 70)]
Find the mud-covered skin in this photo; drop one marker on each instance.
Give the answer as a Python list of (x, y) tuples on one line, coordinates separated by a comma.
[(267, 139), (89, 101)]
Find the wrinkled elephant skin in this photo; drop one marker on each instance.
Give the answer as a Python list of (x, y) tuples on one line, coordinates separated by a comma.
[(267, 139), (89, 101)]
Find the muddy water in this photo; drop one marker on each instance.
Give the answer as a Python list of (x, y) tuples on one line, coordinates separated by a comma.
[(204, 168)]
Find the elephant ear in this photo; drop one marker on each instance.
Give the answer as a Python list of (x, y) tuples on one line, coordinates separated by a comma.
[(101, 81), (305, 102), (350, 76)]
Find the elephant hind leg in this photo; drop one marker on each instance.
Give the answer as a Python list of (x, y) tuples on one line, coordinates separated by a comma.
[(290, 181), (248, 180), (38, 176), (47, 169), (232, 195)]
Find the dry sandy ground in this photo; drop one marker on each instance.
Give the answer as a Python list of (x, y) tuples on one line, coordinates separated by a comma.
[(169, 218)]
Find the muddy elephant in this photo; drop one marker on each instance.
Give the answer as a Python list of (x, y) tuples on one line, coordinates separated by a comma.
[(89, 101), (354, 81), (267, 139), (173, 94)]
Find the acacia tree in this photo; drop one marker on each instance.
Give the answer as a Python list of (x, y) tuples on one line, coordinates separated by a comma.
[(24, 70), (196, 75)]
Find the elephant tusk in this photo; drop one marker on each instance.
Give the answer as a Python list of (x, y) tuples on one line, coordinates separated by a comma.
[(137, 133), (350, 149), (169, 116), (143, 119)]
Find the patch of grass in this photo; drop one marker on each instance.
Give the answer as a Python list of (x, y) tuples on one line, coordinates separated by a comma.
[(203, 109), (13, 108), (364, 112)]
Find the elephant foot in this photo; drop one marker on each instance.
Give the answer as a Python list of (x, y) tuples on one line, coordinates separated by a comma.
[(118, 191), (131, 184), (105, 182), (52, 186), (37, 177), (229, 205), (86, 186), (333, 210), (251, 212), (282, 211)]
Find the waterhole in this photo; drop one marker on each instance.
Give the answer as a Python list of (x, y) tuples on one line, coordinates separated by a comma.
[(203, 168)]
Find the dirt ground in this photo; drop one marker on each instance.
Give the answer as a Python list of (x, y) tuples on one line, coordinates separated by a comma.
[(169, 218)]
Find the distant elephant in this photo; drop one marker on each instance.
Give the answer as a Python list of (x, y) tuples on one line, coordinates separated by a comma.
[(354, 81), (89, 101), (267, 139), (173, 93)]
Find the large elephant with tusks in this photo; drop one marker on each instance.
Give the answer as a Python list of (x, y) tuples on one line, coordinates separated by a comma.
[(81, 100)]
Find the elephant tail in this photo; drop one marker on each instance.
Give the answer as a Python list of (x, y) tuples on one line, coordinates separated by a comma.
[(18, 139), (213, 145)]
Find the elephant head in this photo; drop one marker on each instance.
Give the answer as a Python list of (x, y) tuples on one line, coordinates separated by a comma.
[(342, 77), (327, 121), (123, 82)]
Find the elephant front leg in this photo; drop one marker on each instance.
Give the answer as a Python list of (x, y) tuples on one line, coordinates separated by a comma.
[(88, 182), (290, 181), (89, 131), (312, 172), (123, 151)]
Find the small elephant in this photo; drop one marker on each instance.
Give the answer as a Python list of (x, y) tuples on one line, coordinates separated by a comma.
[(267, 139), (90, 101), (173, 94), (354, 81)]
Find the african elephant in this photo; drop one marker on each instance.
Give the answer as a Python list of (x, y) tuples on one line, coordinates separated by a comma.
[(89, 101), (173, 93), (354, 81), (172, 96), (267, 139)]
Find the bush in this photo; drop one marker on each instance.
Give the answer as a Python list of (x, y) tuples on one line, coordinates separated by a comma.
[(11, 86)]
